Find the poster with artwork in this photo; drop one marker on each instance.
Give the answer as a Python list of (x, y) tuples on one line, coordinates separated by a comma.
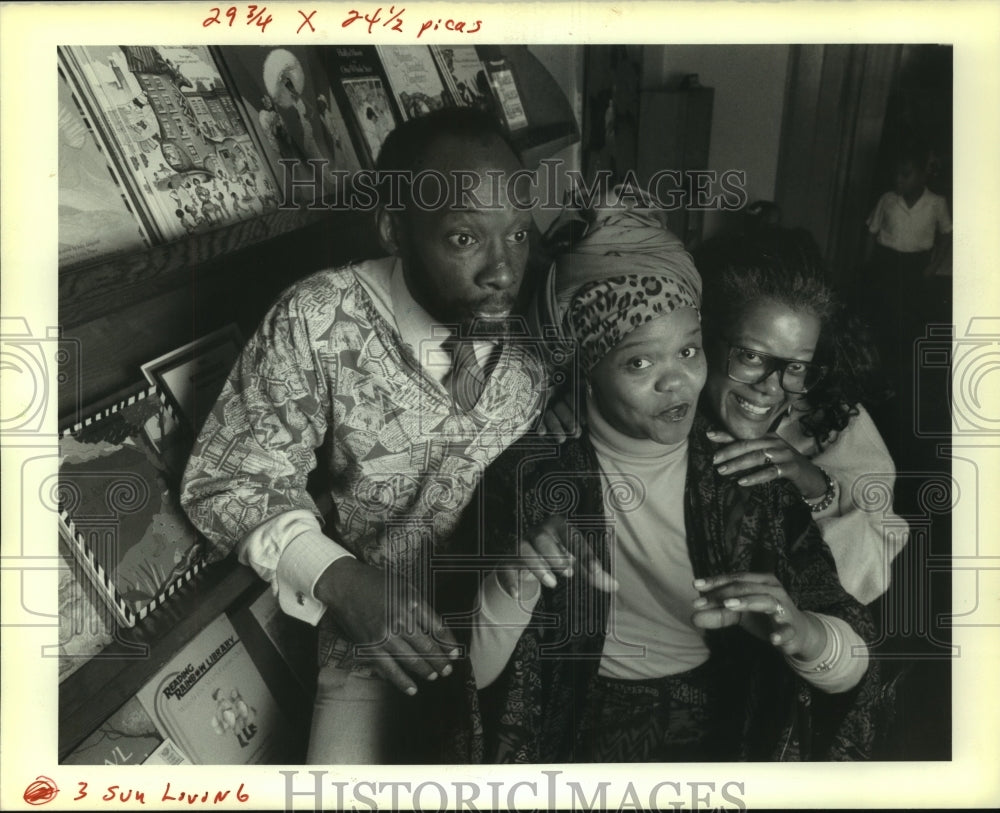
[(414, 79), (287, 99), (174, 134), (363, 89), (464, 73), (94, 215)]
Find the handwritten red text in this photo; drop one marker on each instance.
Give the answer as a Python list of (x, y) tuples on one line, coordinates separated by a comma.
[(393, 19), (255, 15), (459, 26)]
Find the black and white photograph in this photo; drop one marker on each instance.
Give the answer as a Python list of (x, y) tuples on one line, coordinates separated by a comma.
[(595, 441)]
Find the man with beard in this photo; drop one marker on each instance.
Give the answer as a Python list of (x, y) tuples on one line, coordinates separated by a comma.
[(403, 376)]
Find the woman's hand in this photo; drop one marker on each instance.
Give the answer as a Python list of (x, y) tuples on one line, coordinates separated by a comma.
[(563, 417), (549, 551), (768, 458), (758, 603)]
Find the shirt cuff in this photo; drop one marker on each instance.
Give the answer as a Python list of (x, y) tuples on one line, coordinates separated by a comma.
[(299, 568), (291, 552), (498, 626), (500, 607)]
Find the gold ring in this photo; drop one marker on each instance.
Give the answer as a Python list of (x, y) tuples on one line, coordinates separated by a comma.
[(767, 458), (779, 610)]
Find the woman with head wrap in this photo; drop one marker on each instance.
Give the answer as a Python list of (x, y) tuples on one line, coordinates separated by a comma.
[(644, 607)]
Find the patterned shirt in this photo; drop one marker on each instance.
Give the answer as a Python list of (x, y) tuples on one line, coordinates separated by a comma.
[(328, 369)]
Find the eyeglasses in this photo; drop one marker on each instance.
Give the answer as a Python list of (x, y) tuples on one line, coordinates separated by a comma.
[(751, 367)]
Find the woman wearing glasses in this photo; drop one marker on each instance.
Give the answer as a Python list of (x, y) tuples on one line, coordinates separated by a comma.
[(645, 607), (787, 374)]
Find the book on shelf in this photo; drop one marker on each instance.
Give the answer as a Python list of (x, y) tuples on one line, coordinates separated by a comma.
[(192, 376), (464, 74), (119, 476), (288, 101), (508, 97), (95, 218), (173, 134), (127, 737), (413, 78), (361, 86), (213, 704)]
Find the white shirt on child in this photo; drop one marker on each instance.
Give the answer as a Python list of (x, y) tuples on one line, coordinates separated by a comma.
[(909, 229)]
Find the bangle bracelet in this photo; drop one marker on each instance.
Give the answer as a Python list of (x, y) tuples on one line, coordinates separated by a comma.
[(828, 495), (835, 645), (833, 650)]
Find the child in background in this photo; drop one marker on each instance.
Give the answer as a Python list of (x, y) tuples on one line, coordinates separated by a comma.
[(909, 245), (910, 227)]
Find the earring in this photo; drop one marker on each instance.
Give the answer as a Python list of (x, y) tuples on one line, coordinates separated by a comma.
[(589, 387)]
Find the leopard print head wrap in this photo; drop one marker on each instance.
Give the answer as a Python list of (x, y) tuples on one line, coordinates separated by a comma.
[(603, 313), (627, 270)]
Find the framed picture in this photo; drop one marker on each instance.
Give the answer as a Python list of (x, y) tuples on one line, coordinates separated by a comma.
[(192, 376), (119, 509)]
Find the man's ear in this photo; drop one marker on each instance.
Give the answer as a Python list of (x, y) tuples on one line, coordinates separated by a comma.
[(390, 230)]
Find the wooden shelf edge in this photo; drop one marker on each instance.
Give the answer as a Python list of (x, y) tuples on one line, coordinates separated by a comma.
[(95, 691)]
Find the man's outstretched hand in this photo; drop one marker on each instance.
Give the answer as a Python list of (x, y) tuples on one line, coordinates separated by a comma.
[(403, 638)]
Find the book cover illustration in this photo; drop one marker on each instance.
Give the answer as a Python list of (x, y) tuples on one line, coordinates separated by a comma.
[(504, 85), (414, 79), (465, 75), (175, 134), (288, 100), (192, 376), (119, 472), (94, 218), (211, 700), (359, 74), (127, 737), (86, 624)]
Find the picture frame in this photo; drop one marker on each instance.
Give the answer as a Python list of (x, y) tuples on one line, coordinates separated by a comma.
[(192, 375)]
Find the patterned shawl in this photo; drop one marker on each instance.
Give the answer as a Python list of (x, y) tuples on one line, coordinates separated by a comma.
[(532, 712)]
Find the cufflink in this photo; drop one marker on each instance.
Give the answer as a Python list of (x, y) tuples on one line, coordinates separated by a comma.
[(300, 598)]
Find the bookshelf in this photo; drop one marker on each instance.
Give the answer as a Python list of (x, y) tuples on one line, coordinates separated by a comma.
[(123, 310)]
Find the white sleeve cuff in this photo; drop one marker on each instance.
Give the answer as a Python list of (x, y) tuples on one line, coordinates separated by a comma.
[(498, 626), (499, 607), (291, 552), (303, 562), (841, 664)]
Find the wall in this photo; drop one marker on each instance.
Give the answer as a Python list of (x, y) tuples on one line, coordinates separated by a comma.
[(749, 83), (565, 63)]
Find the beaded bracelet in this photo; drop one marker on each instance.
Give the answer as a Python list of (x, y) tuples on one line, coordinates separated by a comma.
[(828, 495)]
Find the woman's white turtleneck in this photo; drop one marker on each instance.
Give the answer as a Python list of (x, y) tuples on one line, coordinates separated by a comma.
[(649, 630)]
